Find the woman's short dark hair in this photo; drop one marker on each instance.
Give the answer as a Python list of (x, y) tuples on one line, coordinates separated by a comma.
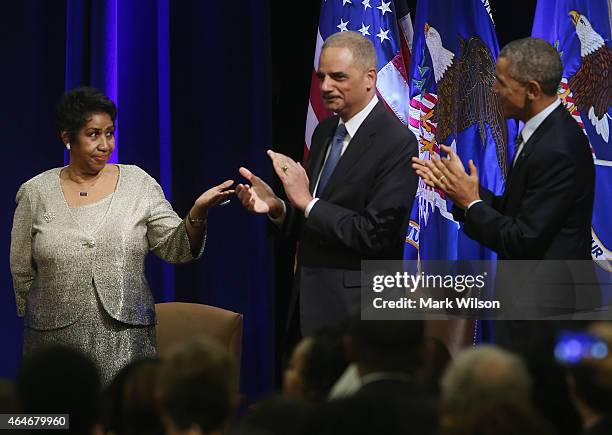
[(77, 105)]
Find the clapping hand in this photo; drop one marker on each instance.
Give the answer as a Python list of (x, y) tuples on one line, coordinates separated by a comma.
[(258, 197), (449, 176), (294, 179)]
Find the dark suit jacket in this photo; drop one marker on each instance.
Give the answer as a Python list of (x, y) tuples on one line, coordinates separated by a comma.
[(544, 214), (546, 209), (362, 214)]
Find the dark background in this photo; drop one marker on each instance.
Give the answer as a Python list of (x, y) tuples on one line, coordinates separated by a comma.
[(239, 81)]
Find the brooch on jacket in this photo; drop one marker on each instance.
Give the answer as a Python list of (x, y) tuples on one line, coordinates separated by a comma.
[(48, 216)]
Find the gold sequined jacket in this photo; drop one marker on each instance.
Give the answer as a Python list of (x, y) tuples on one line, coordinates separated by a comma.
[(53, 260)]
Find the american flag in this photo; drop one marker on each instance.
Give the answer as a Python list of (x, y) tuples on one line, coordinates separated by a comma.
[(388, 25)]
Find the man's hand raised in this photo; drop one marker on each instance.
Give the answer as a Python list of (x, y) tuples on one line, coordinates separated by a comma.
[(258, 197), (294, 178)]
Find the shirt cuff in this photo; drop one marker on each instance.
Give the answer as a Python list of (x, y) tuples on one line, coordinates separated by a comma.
[(309, 207), (472, 203), (278, 221)]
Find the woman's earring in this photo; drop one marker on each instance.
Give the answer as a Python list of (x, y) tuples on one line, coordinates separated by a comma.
[(68, 146)]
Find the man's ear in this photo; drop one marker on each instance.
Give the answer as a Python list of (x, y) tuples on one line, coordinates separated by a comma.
[(534, 90), (371, 79)]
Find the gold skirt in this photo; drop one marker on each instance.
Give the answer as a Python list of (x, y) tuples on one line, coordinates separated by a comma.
[(109, 343)]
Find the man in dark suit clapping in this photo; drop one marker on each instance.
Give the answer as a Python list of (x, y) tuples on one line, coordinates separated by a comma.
[(545, 211), (353, 201)]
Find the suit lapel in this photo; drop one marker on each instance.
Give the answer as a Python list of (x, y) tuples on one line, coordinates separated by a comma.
[(355, 150), (515, 176)]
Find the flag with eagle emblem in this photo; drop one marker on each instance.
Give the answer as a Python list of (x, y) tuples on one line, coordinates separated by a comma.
[(452, 103), (580, 30)]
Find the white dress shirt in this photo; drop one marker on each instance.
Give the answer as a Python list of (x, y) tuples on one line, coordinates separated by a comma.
[(532, 125)]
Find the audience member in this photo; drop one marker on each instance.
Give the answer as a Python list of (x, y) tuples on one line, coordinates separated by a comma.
[(61, 380), (381, 352), (590, 384), (140, 410), (482, 377), (368, 414), (483, 374), (316, 364), (197, 388), (112, 399), (385, 351), (493, 419), (388, 357)]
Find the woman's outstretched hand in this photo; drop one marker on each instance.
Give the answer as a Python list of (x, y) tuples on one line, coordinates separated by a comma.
[(212, 197)]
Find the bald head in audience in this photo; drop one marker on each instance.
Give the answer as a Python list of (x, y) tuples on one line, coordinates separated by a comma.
[(482, 376)]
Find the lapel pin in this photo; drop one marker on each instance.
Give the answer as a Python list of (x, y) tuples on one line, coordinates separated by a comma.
[(48, 216)]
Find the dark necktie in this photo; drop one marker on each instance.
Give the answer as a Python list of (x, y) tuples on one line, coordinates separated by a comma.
[(518, 147), (333, 157)]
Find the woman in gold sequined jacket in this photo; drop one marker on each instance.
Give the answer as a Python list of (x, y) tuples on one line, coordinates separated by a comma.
[(80, 236)]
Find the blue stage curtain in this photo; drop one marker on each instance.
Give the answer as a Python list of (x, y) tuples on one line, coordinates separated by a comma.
[(221, 120), (191, 80), (30, 84)]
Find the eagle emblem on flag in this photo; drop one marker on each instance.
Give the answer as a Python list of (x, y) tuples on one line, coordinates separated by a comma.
[(591, 85), (465, 92)]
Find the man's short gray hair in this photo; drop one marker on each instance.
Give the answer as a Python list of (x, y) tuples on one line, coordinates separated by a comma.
[(364, 54), (485, 375), (534, 59)]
